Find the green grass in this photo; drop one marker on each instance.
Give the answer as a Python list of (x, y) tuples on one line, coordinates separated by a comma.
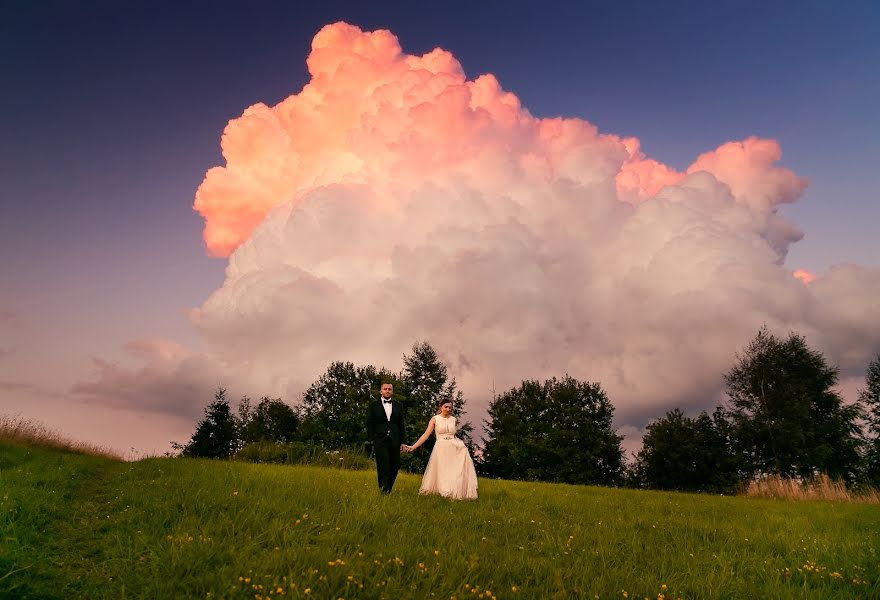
[(78, 526)]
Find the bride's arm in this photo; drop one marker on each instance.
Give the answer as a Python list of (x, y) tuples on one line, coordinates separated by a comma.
[(425, 435)]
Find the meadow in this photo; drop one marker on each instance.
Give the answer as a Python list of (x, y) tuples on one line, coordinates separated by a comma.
[(77, 525)]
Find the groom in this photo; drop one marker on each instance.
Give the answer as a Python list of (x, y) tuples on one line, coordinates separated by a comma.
[(385, 430)]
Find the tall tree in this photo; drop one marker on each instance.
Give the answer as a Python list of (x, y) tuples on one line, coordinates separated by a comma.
[(870, 399), (426, 382), (681, 453), (270, 420), (787, 417), (334, 408), (216, 435), (556, 431)]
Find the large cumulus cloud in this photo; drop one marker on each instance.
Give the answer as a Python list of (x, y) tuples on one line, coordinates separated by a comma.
[(394, 200)]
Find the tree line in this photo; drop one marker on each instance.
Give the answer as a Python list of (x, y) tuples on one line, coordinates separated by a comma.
[(333, 410), (782, 416)]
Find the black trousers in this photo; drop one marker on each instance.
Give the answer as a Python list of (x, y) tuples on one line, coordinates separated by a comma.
[(387, 464)]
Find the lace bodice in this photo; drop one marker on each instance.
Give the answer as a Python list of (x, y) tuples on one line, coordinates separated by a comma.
[(444, 427)]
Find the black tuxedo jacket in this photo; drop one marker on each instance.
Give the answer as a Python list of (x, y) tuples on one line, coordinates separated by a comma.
[(382, 431)]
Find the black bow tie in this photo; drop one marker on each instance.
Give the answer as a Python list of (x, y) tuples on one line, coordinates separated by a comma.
[(387, 401)]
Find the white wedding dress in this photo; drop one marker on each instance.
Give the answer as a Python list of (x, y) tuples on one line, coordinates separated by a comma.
[(450, 471)]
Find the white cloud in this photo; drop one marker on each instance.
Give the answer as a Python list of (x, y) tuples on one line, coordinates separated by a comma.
[(392, 200)]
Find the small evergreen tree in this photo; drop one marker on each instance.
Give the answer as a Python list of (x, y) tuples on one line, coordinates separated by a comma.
[(216, 435)]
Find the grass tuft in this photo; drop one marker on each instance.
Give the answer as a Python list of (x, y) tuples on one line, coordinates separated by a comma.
[(817, 488), (17, 429)]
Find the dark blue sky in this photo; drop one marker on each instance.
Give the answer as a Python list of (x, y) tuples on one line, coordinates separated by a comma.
[(112, 112)]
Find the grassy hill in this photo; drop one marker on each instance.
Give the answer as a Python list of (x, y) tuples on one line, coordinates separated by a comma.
[(80, 526)]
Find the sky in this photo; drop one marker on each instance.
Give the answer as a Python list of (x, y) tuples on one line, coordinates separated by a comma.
[(489, 225)]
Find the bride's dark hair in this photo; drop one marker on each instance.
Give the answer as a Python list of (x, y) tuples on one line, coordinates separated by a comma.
[(441, 403)]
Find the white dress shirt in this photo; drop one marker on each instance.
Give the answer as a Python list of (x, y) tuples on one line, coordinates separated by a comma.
[(386, 406)]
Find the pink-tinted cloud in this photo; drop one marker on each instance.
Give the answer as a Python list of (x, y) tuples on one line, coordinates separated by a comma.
[(168, 379), (394, 200), (748, 168), (804, 275), (641, 178), (373, 114)]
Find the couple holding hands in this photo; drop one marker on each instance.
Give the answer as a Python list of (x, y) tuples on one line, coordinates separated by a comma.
[(450, 471)]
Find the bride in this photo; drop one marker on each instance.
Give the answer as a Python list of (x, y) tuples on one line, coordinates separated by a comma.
[(450, 471)]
